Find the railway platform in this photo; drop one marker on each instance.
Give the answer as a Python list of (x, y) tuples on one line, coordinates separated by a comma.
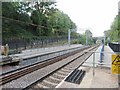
[(98, 77), (38, 51), (35, 52)]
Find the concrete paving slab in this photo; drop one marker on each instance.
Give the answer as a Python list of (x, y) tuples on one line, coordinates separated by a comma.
[(103, 77)]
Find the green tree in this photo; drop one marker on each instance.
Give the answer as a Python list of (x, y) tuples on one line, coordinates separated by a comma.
[(28, 20), (14, 27), (114, 32), (61, 23)]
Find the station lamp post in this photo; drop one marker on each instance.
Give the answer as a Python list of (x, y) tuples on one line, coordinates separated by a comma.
[(86, 38), (69, 35)]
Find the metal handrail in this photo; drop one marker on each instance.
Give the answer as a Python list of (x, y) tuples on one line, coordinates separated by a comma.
[(103, 52)]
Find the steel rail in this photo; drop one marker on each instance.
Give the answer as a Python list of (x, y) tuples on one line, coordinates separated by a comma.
[(14, 75), (33, 84)]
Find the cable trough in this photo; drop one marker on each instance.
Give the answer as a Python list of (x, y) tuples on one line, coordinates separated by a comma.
[(76, 76)]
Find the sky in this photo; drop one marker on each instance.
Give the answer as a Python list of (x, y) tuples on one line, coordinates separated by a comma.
[(95, 15)]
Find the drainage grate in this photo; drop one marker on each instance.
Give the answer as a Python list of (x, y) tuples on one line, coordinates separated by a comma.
[(76, 76)]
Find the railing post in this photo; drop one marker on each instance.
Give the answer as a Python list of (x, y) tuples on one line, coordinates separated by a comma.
[(94, 64)]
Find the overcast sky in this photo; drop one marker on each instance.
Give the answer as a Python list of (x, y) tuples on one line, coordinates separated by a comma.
[(97, 15)]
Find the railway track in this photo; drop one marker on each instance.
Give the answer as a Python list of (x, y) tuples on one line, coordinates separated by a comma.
[(53, 79), (14, 74), (55, 74), (34, 59)]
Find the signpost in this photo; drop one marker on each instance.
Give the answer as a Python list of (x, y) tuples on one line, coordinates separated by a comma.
[(115, 64)]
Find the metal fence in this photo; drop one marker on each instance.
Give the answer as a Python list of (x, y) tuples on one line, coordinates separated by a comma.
[(115, 47), (21, 44)]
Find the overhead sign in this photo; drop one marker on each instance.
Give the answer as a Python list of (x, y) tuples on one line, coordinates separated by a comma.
[(115, 64)]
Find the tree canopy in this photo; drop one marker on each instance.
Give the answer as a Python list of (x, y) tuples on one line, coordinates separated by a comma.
[(114, 32), (36, 19), (88, 35)]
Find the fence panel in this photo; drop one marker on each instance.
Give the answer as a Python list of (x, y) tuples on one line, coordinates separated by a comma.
[(21, 44), (115, 47)]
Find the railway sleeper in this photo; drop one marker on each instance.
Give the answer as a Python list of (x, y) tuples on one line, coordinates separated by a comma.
[(48, 84), (53, 80)]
